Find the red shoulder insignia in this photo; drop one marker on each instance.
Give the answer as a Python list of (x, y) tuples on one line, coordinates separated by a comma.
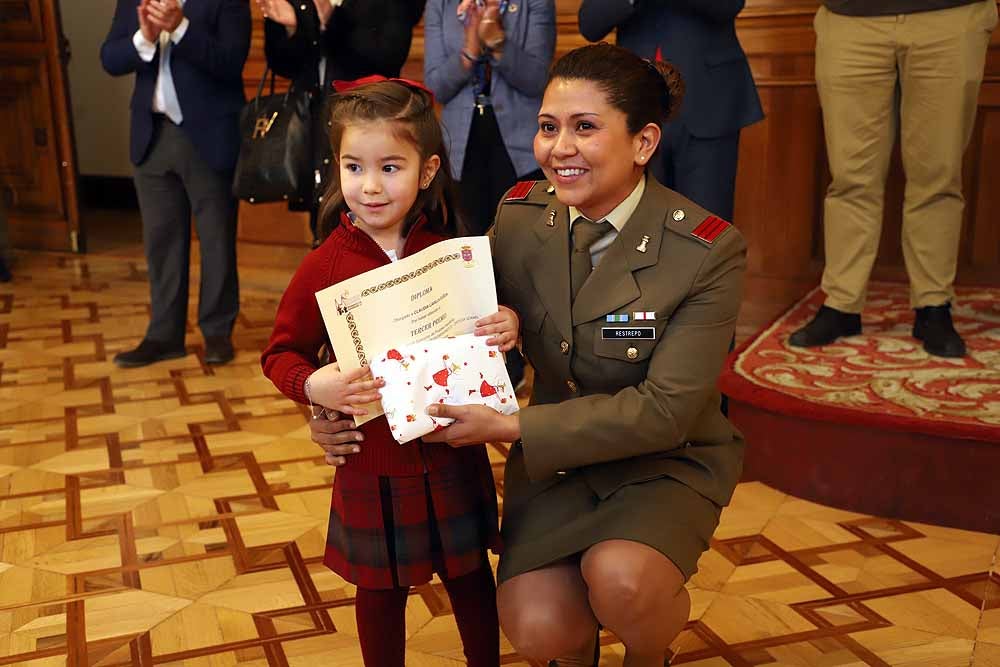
[(520, 191), (710, 229)]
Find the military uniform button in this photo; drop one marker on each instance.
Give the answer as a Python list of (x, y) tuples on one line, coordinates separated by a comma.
[(631, 353), (564, 347), (571, 386), (679, 214), (551, 189)]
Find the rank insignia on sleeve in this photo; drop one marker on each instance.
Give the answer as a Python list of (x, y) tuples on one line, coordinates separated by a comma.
[(520, 191), (710, 229)]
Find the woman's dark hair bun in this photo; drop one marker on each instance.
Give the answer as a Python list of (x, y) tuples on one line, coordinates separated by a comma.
[(673, 84), (645, 91)]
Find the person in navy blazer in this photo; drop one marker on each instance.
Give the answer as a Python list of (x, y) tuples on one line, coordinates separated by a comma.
[(700, 146), (187, 57)]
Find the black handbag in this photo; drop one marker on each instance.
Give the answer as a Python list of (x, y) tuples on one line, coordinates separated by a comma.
[(275, 161)]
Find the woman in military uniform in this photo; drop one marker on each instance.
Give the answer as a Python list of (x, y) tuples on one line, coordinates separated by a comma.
[(628, 295), (623, 460)]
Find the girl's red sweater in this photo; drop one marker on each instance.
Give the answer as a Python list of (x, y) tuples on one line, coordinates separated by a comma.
[(292, 354)]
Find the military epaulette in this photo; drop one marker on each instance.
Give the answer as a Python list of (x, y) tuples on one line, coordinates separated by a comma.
[(525, 192), (710, 229)]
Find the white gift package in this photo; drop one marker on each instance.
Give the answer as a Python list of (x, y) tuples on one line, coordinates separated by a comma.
[(462, 370)]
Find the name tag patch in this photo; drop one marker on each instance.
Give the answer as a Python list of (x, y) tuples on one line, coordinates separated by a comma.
[(628, 333)]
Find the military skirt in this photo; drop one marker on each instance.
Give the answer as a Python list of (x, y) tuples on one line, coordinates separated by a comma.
[(550, 520)]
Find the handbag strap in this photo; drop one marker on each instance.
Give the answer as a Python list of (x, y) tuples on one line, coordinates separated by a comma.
[(260, 86), (263, 80)]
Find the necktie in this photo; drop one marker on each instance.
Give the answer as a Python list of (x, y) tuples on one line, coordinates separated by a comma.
[(171, 106), (585, 234)]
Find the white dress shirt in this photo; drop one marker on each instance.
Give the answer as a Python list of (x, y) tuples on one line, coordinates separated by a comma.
[(164, 95)]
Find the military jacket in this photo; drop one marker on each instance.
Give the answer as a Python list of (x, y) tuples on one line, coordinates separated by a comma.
[(611, 407)]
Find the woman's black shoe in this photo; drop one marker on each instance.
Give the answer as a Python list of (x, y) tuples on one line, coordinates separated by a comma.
[(828, 325), (933, 325)]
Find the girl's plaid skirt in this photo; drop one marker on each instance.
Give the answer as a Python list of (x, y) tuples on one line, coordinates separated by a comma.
[(388, 532)]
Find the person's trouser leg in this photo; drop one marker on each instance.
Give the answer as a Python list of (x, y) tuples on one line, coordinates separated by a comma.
[(857, 82), (166, 236), (705, 170), (941, 68), (215, 212)]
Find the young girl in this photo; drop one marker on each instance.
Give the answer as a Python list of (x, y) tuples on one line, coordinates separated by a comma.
[(399, 512)]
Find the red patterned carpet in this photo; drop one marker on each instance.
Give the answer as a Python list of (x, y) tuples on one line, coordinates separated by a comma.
[(875, 402)]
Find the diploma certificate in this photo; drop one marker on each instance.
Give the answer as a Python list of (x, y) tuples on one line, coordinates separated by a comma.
[(438, 292)]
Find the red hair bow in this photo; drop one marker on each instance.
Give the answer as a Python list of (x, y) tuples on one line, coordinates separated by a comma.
[(344, 86)]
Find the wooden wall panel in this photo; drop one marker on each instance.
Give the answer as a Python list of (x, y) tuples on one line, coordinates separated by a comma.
[(21, 20), (783, 175)]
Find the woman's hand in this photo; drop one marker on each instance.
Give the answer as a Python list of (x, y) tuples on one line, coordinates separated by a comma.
[(490, 31), (473, 15), (343, 392), (338, 438), (281, 12), (502, 326), (473, 424)]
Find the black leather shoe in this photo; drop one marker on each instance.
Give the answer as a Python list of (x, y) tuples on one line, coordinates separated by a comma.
[(218, 350), (933, 325), (5, 276), (828, 325), (148, 352)]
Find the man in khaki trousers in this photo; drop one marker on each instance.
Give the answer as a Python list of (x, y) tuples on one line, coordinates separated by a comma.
[(915, 65)]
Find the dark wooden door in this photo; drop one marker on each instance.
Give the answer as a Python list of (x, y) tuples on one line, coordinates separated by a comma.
[(37, 160)]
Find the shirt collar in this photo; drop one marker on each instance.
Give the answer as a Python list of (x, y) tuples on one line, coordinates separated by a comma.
[(621, 213)]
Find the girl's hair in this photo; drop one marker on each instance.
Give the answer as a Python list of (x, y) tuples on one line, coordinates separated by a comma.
[(645, 91), (410, 110)]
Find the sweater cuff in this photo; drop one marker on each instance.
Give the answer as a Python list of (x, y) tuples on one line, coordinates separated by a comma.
[(295, 383)]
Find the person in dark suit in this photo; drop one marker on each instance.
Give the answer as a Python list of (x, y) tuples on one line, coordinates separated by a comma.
[(316, 42), (699, 149), (188, 63)]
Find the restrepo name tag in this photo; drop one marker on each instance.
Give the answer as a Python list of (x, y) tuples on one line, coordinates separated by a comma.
[(628, 333)]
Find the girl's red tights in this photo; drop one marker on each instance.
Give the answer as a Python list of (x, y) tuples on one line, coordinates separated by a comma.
[(382, 624)]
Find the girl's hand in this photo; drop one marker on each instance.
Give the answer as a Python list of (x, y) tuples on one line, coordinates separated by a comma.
[(343, 391), (281, 12), (473, 424), (502, 328)]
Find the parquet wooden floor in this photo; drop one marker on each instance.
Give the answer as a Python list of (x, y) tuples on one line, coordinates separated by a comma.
[(176, 515)]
